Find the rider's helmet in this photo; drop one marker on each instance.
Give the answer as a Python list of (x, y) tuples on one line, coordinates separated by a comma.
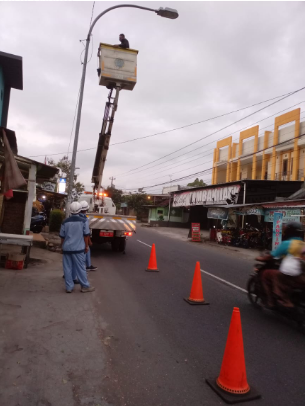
[(293, 230)]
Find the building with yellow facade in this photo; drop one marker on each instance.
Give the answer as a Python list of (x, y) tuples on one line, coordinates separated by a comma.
[(277, 155)]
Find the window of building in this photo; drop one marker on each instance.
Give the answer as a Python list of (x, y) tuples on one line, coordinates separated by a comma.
[(285, 167), (160, 211)]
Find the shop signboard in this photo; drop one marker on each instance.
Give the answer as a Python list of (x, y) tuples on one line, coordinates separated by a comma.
[(250, 211), (207, 196), (48, 186), (277, 229), (218, 213), (196, 232), (289, 215), (62, 185), (255, 211)]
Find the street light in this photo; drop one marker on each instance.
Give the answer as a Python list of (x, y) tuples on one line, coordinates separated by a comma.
[(162, 12), (167, 13)]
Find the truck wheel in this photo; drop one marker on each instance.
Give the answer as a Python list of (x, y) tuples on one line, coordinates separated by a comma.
[(122, 244)]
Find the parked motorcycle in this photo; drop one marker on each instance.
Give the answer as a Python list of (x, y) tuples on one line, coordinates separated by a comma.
[(38, 221), (257, 295)]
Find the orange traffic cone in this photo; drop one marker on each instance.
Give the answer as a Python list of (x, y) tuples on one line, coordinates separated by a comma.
[(196, 295), (152, 264), (232, 385)]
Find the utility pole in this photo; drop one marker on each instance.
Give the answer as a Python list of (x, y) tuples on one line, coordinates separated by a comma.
[(112, 179)]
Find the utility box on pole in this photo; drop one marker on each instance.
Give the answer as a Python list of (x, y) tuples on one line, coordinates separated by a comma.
[(117, 66)]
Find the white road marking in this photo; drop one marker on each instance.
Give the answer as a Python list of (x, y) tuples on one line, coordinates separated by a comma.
[(224, 281), (144, 243), (210, 274)]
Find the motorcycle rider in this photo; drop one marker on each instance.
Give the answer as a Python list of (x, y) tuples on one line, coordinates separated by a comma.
[(290, 274)]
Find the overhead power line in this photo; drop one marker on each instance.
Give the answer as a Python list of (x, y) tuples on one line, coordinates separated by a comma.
[(215, 132), (209, 169), (174, 129), (195, 166), (206, 153)]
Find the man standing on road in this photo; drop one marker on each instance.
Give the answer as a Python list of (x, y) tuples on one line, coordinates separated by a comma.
[(74, 234), (124, 42), (85, 208)]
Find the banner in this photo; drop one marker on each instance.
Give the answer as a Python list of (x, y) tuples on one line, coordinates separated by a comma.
[(277, 230), (49, 186), (218, 213), (207, 196), (255, 211), (196, 232), (288, 215)]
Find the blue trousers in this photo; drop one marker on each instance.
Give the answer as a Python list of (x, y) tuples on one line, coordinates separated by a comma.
[(74, 267), (88, 258)]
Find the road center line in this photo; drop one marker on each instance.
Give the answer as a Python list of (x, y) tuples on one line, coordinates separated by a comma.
[(144, 243), (224, 281)]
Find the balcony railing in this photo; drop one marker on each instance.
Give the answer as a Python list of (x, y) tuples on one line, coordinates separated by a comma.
[(288, 175)]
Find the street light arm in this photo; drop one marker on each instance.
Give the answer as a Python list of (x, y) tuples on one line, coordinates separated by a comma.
[(112, 8)]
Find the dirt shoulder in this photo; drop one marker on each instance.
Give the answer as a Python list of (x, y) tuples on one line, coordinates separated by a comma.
[(51, 342)]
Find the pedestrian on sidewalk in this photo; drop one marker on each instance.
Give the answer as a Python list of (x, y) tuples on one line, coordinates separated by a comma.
[(85, 208), (74, 234)]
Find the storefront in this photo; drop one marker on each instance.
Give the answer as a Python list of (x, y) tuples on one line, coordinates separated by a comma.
[(231, 196), (257, 222)]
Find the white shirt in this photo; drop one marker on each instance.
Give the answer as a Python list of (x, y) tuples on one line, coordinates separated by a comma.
[(291, 266)]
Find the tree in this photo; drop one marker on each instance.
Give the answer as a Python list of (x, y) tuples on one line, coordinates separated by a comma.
[(115, 194), (197, 183), (64, 164), (136, 201)]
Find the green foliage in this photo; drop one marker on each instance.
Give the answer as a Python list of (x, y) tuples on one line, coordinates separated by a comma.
[(56, 218), (115, 194), (79, 187), (197, 183), (64, 164), (136, 201)]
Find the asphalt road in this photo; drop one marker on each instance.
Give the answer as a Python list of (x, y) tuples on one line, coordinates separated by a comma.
[(160, 349)]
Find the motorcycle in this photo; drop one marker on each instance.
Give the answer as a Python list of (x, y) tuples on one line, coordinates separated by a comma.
[(256, 294), (38, 221)]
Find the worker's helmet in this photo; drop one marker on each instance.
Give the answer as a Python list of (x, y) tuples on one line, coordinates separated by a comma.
[(75, 208), (294, 229), (85, 205)]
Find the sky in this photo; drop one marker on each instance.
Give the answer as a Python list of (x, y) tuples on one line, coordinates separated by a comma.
[(217, 57)]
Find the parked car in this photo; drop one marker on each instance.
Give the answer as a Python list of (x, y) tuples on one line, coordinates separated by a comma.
[(38, 220)]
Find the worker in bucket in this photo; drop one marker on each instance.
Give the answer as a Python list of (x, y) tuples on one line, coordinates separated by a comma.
[(85, 208), (74, 234), (124, 43)]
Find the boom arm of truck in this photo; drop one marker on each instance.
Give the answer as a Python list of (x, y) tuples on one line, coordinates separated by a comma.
[(104, 138)]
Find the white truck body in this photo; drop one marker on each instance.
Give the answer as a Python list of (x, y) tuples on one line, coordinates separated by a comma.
[(107, 226)]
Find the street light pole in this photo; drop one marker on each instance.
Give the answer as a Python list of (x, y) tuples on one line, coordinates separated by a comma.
[(163, 12)]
